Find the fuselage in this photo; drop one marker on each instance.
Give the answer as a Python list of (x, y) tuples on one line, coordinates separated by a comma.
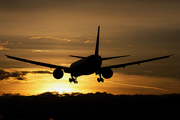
[(86, 66)]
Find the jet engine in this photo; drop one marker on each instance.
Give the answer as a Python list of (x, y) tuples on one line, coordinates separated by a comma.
[(107, 73), (58, 73)]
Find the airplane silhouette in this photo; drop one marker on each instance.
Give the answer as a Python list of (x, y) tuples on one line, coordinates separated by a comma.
[(87, 65)]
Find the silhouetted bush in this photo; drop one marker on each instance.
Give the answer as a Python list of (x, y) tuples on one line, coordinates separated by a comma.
[(102, 105)]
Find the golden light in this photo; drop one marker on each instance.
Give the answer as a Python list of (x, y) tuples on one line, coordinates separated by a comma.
[(48, 83), (61, 88)]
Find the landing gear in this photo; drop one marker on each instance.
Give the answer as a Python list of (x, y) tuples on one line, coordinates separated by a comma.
[(100, 79), (73, 80)]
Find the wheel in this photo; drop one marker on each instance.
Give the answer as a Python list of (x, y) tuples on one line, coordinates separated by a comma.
[(76, 82), (98, 79), (70, 80), (101, 79)]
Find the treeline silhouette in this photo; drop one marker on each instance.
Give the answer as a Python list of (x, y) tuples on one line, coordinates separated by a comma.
[(55, 106)]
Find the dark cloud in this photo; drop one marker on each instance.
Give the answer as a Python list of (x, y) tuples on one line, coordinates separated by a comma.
[(36, 5), (19, 75), (56, 17), (46, 4)]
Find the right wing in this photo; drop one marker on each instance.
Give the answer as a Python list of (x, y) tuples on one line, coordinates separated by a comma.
[(136, 62), (66, 69)]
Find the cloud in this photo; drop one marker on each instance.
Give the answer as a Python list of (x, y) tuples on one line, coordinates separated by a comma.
[(4, 75), (55, 38), (148, 71), (130, 45), (89, 41), (4, 43), (3, 48), (40, 51), (19, 75), (108, 41), (140, 86), (39, 37), (36, 37)]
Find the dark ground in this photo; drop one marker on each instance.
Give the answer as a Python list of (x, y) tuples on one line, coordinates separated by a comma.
[(54, 106)]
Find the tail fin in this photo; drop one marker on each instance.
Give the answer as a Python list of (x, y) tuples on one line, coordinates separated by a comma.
[(97, 43)]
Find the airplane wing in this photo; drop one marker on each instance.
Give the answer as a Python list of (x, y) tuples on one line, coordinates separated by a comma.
[(66, 69), (136, 62)]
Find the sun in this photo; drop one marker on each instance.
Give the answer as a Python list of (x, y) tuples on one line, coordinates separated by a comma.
[(46, 83), (59, 88)]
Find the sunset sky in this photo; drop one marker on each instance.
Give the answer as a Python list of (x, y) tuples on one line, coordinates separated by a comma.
[(51, 30)]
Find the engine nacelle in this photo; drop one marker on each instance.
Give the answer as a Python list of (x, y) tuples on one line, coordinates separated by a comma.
[(58, 73), (107, 73)]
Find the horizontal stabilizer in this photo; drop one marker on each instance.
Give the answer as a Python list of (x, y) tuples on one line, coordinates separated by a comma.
[(77, 56), (115, 57)]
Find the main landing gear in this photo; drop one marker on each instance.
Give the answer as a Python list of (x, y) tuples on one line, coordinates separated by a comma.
[(73, 80), (100, 79)]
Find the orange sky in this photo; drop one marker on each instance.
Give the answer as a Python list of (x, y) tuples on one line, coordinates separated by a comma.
[(50, 31), (118, 84)]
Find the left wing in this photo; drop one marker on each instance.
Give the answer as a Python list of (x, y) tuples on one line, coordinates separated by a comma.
[(66, 69), (136, 62)]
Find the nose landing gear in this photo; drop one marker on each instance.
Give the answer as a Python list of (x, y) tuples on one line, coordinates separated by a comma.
[(73, 80), (100, 79)]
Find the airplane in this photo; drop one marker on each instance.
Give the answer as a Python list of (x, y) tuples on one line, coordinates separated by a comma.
[(87, 65)]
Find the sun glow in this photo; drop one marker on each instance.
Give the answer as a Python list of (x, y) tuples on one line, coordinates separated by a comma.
[(50, 84), (59, 88)]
